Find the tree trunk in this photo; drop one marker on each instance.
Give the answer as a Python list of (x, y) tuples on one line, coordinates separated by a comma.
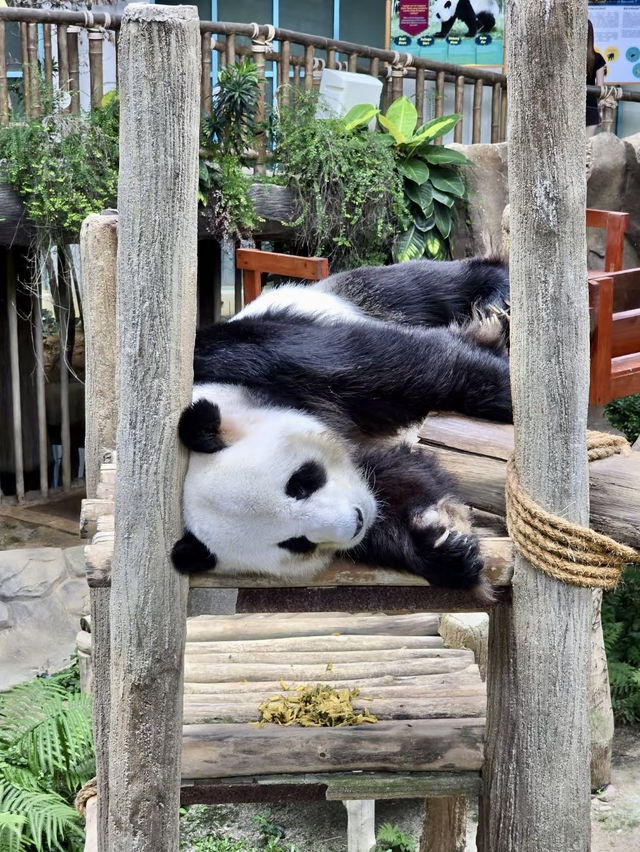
[(159, 73), (536, 773)]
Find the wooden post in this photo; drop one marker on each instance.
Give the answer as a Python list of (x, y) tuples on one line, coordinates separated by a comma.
[(43, 444), (536, 773), (156, 308), (96, 68), (74, 68), (601, 720), (445, 824), (63, 61), (4, 90), (98, 250), (14, 360), (459, 107)]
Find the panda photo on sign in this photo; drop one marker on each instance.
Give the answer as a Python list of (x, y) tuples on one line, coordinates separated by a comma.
[(478, 15), (297, 406)]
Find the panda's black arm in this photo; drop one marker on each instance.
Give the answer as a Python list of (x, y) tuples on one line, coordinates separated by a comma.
[(374, 377)]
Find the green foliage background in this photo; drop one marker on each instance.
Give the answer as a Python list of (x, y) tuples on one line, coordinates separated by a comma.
[(46, 754)]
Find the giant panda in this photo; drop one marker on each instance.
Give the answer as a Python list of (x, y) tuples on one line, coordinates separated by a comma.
[(298, 401), (478, 15)]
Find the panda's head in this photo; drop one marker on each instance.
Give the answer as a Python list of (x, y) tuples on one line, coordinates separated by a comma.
[(268, 491), (444, 10)]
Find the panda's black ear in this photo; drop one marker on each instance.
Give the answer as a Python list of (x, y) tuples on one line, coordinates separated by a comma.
[(199, 427), (189, 555)]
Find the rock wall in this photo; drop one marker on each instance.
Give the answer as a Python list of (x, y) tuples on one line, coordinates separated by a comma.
[(613, 183), (43, 593)]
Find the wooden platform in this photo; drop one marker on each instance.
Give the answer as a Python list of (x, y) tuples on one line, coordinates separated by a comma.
[(429, 700)]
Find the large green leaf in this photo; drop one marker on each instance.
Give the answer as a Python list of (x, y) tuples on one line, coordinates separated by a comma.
[(359, 115), (421, 195), (444, 219), (404, 116), (447, 180), (439, 154), (443, 198), (398, 137), (421, 221), (414, 169), (434, 128), (435, 246), (410, 245)]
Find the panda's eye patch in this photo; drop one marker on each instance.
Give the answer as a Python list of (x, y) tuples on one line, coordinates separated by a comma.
[(308, 478), (301, 544)]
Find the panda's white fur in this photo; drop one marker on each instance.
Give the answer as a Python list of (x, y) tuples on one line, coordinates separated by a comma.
[(306, 385), (244, 485)]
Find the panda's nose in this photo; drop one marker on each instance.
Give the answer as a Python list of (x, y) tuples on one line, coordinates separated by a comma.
[(359, 521)]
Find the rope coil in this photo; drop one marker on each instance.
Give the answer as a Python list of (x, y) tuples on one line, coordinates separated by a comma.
[(569, 552)]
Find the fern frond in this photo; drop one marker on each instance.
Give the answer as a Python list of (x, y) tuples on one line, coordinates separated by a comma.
[(54, 737), (47, 818), (11, 832)]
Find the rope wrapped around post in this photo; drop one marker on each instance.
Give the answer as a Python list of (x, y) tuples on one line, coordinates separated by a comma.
[(569, 552)]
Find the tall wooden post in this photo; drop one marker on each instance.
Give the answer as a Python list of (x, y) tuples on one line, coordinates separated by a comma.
[(536, 775), (159, 84)]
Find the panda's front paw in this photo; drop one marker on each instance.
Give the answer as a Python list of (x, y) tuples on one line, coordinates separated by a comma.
[(448, 558)]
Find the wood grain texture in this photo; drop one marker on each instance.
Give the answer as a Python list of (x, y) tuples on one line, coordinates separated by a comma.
[(159, 72), (444, 828), (227, 750), (475, 452), (536, 772)]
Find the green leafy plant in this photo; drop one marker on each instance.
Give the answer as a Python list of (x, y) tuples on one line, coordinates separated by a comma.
[(621, 630), (46, 754), (431, 181), (63, 166), (624, 414), (231, 123), (227, 134), (349, 193), (390, 839)]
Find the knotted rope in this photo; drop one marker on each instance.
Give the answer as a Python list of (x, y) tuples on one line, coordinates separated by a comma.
[(86, 792), (569, 552)]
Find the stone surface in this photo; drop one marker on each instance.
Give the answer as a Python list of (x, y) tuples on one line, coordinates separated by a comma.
[(42, 598), (29, 573), (613, 184)]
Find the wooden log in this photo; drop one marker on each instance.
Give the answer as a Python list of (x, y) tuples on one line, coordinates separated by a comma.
[(444, 828), (475, 453), (227, 750), (464, 680), (156, 308), (425, 706), (332, 786), (200, 672), (336, 643), (262, 626), (311, 657), (98, 252), (536, 771)]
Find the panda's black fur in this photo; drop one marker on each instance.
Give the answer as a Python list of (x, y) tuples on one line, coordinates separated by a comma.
[(480, 21), (366, 378)]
